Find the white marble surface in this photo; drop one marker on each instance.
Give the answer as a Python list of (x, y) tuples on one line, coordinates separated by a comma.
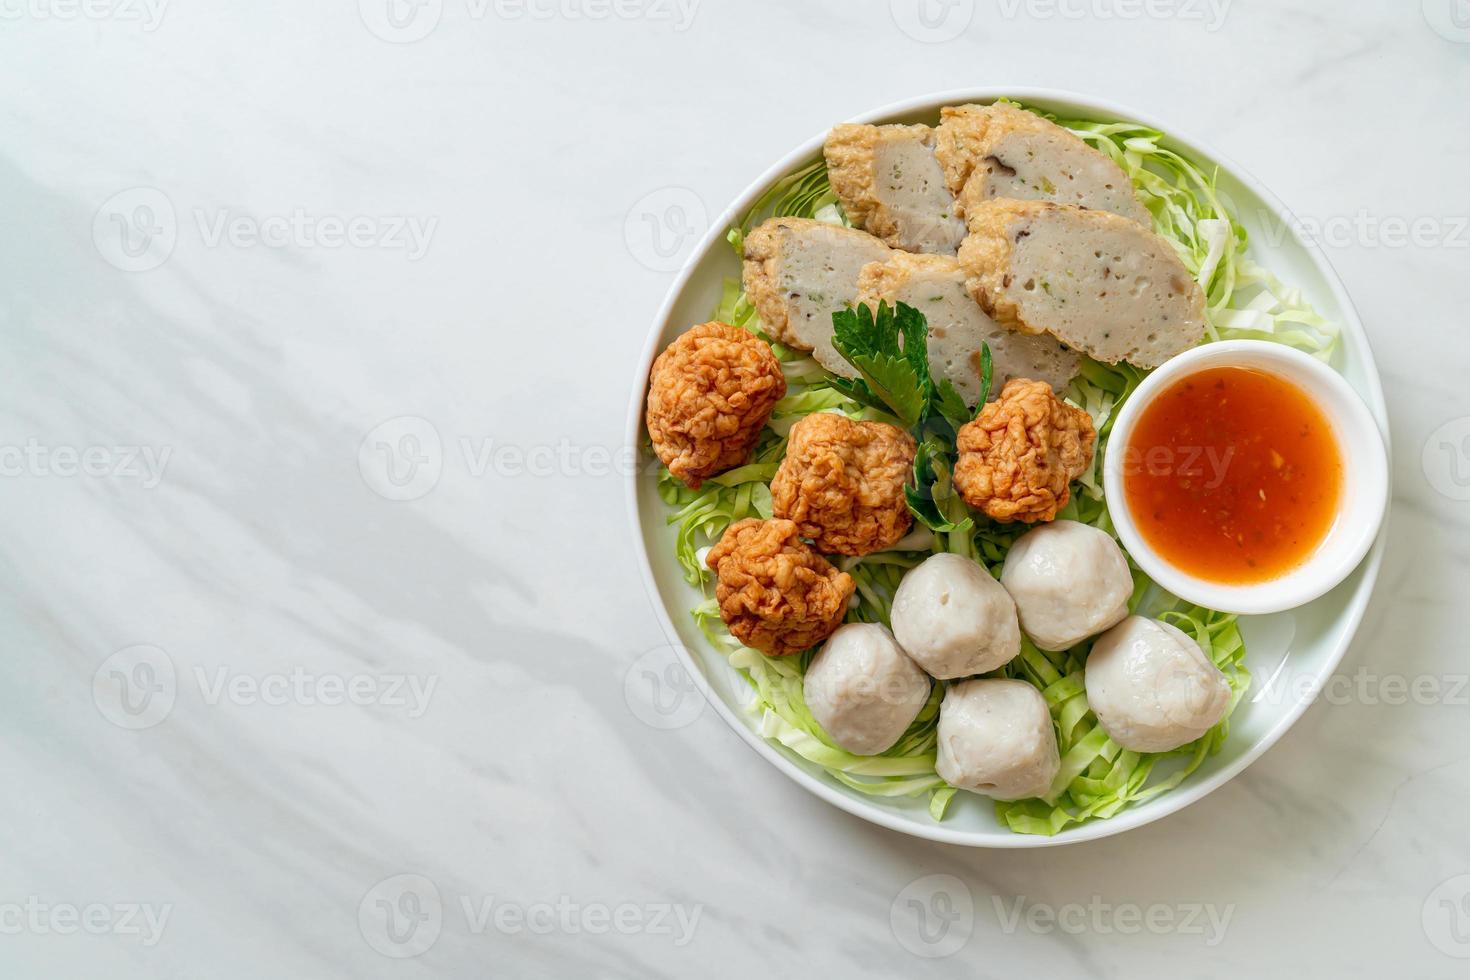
[(493, 289)]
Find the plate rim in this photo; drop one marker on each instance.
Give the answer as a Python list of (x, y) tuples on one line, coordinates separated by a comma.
[(873, 812)]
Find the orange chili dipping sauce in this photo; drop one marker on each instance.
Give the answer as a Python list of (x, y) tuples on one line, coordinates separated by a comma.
[(1233, 475)]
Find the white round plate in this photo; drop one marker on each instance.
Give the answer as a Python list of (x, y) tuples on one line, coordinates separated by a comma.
[(1290, 655)]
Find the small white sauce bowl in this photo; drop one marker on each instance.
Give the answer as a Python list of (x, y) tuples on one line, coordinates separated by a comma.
[(1361, 505)]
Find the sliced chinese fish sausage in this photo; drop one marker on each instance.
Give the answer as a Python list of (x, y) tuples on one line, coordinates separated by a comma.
[(1002, 151), (798, 272), (891, 185), (1098, 283)]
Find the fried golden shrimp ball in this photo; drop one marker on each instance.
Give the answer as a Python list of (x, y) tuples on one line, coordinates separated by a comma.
[(842, 483), (776, 593), (1019, 455), (709, 395)]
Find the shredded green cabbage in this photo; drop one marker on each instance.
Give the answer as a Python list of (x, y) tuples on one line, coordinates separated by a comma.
[(1097, 778)]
